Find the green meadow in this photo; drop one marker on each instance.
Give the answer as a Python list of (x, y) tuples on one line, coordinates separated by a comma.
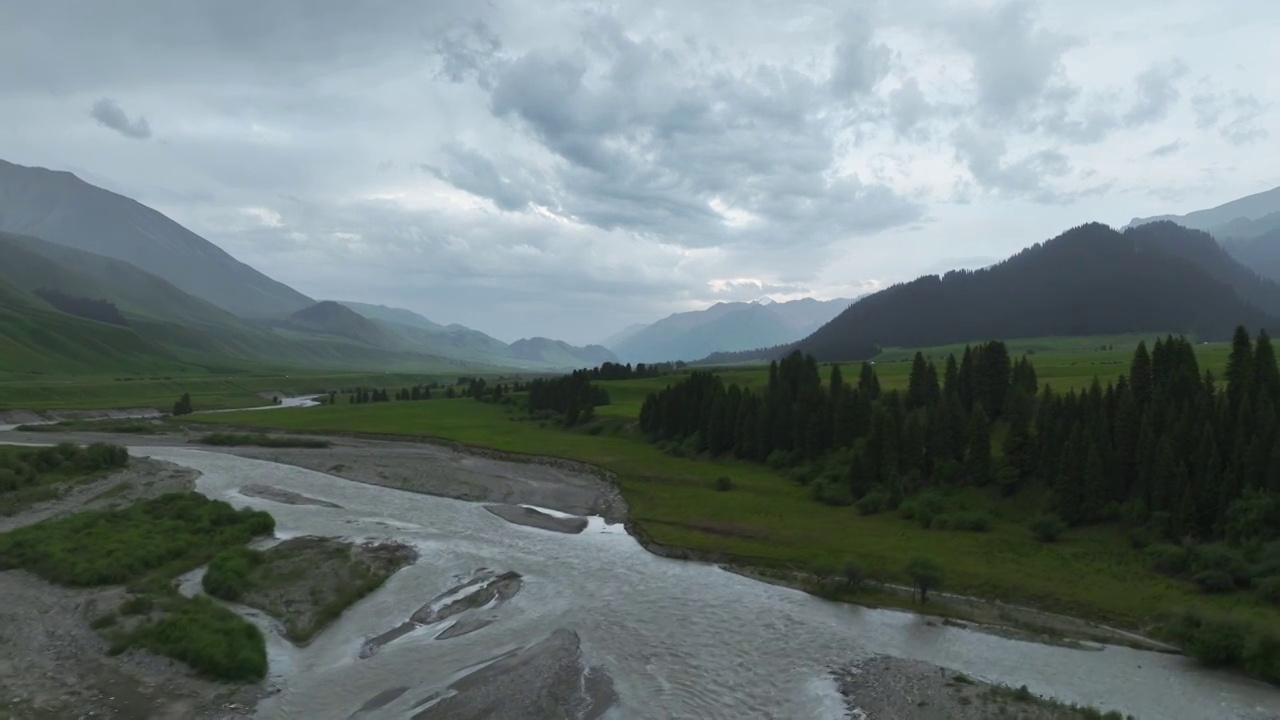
[(770, 521)]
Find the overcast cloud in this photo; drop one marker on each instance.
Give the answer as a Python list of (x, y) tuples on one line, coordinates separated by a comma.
[(569, 168)]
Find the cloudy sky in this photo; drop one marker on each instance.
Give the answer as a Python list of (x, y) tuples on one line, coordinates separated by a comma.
[(568, 168)]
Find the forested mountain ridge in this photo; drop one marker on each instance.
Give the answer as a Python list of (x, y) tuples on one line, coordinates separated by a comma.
[(1248, 228), (61, 208), (1090, 280)]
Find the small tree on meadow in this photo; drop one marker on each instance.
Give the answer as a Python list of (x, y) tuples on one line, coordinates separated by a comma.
[(926, 574)]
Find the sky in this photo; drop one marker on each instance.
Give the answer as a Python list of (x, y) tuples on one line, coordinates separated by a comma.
[(566, 169)]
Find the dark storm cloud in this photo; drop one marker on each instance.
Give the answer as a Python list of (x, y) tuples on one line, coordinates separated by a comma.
[(109, 115), (496, 163)]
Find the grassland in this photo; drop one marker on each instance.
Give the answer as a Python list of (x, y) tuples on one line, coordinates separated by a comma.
[(769, 521), (208, 391)]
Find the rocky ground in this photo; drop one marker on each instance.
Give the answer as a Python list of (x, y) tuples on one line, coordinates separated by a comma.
[(54, 665), (433, 469), (529, 517), (888, 688), (547, 680), (306, 582)]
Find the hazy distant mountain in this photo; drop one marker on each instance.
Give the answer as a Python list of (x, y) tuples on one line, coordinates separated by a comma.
[(726, 327), (1091, 280), (331, 318), (1249, 208), (396, 315), (1249, 229), (61, 208), (559, 353), (622, 335)]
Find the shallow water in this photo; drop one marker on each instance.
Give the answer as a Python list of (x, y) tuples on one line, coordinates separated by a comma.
[(681, 639)]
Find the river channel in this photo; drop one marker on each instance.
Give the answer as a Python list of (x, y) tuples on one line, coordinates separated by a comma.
[(680, 639)]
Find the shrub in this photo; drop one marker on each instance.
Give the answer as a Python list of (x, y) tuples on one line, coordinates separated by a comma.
[(922, 508), (872, 503), (926, 574), (1269, 589), (104, 621), (9, 480), (169, 534), (1262, 657), (724, 483), (1214, 581), (1222, 559), (780, 459), (137, 605), (1169, 559), (1214, 642), (261, 440), (228, 573), (964, 521), (831, 492), (1047, 528), (211, 639), (854, 576)]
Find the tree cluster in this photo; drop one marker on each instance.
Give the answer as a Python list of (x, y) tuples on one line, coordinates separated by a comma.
[(362, 395), (619, 371), (572, 396), (183, 405), (89, 308), (1163, 448)]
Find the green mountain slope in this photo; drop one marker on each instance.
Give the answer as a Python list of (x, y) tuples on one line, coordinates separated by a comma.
[(63, 209)]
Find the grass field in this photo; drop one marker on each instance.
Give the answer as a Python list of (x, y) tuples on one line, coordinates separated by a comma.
[(1063, 363), (208, 392), (767, 520)]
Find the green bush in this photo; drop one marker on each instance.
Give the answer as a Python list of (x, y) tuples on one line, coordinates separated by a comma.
[(261, 440), (1169, 559), (1223, 559), (1214, 581), (1262, 657), (872, 503), (1269, 589), (228, 573), (1047, 528), (168, 535), (138, 605), (922, 508), (1214, 642), (211, 639), (831, 492), (926, 574), (724, 483), (963, 521), (854, 576)]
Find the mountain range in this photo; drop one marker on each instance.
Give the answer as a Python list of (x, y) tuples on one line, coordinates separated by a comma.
[(1090, 280), (1249, 229), (723, 327), (79, 258)]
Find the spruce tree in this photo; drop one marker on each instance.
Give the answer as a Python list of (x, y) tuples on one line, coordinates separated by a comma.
[(1140, 374), (1239, 369), (1266, 374), (978, 455)]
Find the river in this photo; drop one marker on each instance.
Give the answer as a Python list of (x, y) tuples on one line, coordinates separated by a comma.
[(681, 639)]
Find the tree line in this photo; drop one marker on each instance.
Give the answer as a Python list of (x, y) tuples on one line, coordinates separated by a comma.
[(89, 308), (1163, 448), (573, 396), (619, 371)]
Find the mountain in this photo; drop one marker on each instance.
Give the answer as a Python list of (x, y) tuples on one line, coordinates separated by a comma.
[(726, 327), (333, 318), (1249, 229), (622, 335), (1252, 207), (399, 316), (1091, 280), (559, 353), (31, 264), (61, 208)]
